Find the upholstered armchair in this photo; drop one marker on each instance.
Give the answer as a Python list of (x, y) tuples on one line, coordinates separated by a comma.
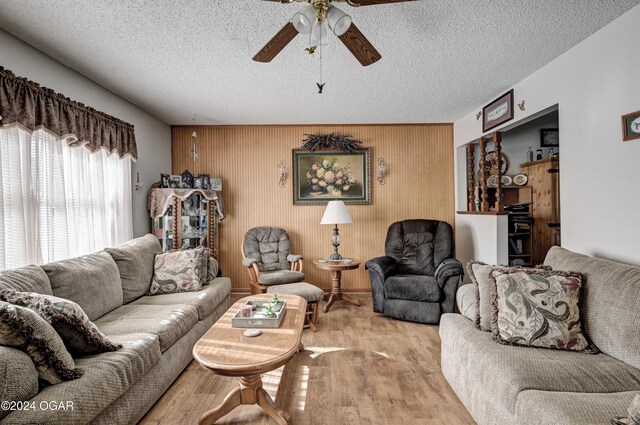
[(417, 279), (265, 253)]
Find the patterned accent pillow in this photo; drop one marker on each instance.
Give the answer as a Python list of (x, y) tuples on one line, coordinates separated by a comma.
[(178, 271), (209, 265), (23, 329), (212, 268), (538, 308), (480, 274), (79, 334)]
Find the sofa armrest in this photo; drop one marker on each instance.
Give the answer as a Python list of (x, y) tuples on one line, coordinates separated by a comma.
[(380, 268), (18, 377), (248, 262)]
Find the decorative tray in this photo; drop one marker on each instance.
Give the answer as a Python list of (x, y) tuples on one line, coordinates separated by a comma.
[(259, 317)]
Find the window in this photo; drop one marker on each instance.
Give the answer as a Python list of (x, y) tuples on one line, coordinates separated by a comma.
[(58, 201)]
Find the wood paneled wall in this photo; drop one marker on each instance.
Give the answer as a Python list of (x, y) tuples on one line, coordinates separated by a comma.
[(419, 185)]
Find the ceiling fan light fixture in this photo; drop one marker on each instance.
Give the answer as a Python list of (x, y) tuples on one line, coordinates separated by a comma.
[(338, 21), (303, 19), (318, 34)]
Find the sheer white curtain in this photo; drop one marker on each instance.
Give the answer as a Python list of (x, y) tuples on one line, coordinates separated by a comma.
[(58, 202)]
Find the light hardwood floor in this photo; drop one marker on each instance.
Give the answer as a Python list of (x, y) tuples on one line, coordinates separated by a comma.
[(358, 368)]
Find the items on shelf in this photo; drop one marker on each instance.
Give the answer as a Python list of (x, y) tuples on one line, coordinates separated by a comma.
[(186, 180)]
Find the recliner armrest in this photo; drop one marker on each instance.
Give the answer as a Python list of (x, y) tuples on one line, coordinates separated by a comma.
[(293, 258), (248, 262), (448, 268), (385, 266)]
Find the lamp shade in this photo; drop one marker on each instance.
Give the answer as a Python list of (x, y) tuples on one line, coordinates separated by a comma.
[(303, 19), (336, 213), (338, 21)]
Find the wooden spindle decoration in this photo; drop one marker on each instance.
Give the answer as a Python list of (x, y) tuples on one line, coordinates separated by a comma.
[(497, 170), (176, 228), (471, 178), (484, 197)]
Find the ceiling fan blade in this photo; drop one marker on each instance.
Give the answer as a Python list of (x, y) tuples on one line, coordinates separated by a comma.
[(361, 48), (276, 44), (374, 2)]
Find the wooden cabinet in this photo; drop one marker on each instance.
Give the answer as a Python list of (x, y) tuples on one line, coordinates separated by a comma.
[(186, 218), (543, 177)]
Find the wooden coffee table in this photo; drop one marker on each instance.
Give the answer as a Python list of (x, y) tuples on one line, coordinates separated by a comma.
[(336, 268), (226, 351)]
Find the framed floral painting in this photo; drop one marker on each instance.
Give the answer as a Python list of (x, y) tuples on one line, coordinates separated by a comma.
[(323, 176)]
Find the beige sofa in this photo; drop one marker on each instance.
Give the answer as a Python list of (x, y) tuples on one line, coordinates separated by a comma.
[(501, 384), (157, 333)]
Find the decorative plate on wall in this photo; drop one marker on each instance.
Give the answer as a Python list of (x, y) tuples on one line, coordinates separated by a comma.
[(492, 181), (506, 180), (491, 160), (520, 179)]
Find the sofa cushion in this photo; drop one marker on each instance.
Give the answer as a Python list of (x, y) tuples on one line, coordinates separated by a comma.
[(565, 408), (538, 308), (610, 300), (18, 377), (505, 370), (107, 377), (280, 277), (179, 271), (26, 279), (79, 334), (168, 322), (91, 281), (205, 301), (412, 287), (23, 329), (467, 301), (135, 264)]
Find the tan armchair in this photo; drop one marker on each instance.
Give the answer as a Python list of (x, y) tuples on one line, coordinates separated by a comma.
[(265, 253)]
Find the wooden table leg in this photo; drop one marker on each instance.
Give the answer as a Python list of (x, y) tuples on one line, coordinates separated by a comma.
[(250, 392), (336, 294)]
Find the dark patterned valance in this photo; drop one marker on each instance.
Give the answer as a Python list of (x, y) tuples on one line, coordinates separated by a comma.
[(25, 103)]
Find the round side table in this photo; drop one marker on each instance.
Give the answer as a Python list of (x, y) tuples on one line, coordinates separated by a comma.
[(336, 268)]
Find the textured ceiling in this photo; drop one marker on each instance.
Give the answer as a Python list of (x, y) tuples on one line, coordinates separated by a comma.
[(440, 59)]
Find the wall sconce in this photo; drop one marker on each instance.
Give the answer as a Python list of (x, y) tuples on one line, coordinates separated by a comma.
[(282, 173), (138, 186), (382, 171)]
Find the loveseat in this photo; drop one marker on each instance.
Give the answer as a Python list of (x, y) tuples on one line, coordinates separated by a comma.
[(157, 334), (501, 384)]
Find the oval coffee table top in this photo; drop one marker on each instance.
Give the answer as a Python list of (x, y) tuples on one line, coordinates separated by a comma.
[(226, 351)]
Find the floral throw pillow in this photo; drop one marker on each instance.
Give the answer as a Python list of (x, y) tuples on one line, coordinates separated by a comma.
[(178, 271), (538, 308), (79, 334), (23, 329)]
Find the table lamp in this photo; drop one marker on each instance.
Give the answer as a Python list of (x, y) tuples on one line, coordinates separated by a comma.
[(336, 213)]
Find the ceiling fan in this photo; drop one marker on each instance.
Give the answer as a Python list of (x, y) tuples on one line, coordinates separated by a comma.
[(313, 19)]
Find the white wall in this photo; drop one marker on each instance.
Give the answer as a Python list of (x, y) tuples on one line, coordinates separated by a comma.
[(152, 135), (593, 84), (485, 238)]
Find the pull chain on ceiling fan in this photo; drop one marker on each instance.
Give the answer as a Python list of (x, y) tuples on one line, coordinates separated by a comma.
[(314, 19)]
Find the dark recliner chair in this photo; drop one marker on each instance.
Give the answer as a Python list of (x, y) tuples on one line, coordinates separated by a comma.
[(417, 279)]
